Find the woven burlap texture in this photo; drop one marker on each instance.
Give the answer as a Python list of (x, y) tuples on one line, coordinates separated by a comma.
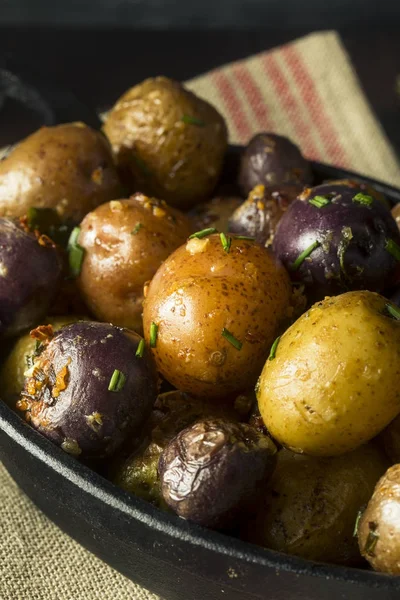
[(307, 91)]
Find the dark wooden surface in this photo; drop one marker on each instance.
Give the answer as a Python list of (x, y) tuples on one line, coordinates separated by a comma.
[(98, 65)]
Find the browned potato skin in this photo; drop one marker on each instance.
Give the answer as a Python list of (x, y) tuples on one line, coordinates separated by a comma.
[(68, 168), (198, 291), (215, 213), (379, 526), (310, 504), (160, 154), (391, 440), (259, 216), (119, 260)]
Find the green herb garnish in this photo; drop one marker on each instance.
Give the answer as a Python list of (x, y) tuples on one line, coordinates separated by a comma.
[(140, 349), (393, 249), (203, 233), (193, 121), (231, 339), (153, 335), (357, 523), (244, 237), (305, 254), (225, 241), (137, 228), (371, 542), (347, 236), (274, 346), (363, 199), (73, 238), (75, 258), (319, 201), (393, 311), (117, 381)]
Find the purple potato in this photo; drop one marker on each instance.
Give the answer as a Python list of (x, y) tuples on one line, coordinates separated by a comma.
[(30, 272), (212, 469), (334, 238), (259, 216), (87, 391), (272, 160)]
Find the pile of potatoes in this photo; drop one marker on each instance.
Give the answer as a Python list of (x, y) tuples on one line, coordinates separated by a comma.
[(230, 352)]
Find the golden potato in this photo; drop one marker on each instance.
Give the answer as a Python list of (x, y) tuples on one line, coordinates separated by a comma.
[(68, 168), (332, 385), (212, 312), (310, 505), (168, 142), (125, 241), (13, 368)]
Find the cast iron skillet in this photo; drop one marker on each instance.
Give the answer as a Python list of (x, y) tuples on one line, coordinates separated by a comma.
[(169, 556)]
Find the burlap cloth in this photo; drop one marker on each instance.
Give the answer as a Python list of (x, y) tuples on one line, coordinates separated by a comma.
[(307, 91)]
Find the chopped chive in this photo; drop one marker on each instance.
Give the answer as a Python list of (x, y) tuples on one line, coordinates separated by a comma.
[(305, 254), (319, 201), (225, 241), (393, 311), (117, 381), (193, 121), (153, 335), (140, 349), (363, 199), (75, 259), (393, 249), (347, 236), (274, 346), (371, 542), (137, 228), (73, 238), (231, 339), (244, 237), (203, 233), (357, 523)]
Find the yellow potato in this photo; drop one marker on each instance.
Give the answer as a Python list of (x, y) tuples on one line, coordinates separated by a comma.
[(310, 505), (333, 384)]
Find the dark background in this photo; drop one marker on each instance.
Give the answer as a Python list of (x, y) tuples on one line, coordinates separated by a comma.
[(97, 49)]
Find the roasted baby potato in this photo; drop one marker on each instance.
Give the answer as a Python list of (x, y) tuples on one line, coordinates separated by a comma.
[(19, 359), (90, 388), (173, 412), (212, 470), (379, 525), (330, 384), (30, 273), (124, 243), (396, 214), (335, 238), (309, 506), (272, 160), (259, 216), (215, 213), (168, 142), (211, 313), (68, 168)]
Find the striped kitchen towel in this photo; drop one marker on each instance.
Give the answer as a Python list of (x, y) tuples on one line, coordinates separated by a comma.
[(307, 91)]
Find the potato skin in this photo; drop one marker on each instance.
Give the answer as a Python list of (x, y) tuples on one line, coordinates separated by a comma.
[(379, 526), (272, 160), (259, 216), (201, 289), (13, 368), (68, 168), (157, 151), (332, 385), (125, 242), (309, 506)]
